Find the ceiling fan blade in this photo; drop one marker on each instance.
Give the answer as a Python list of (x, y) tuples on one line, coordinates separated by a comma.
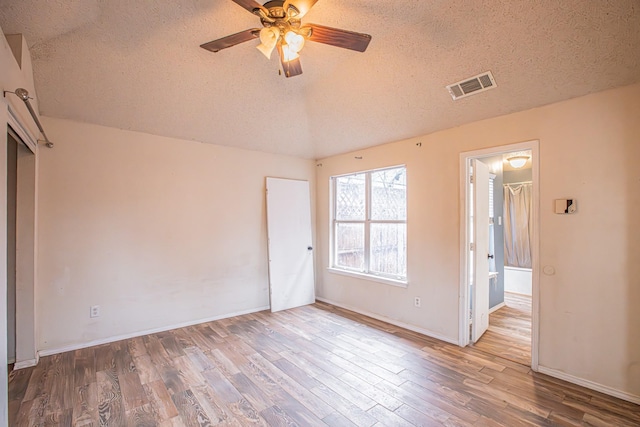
[(232, 40), (251, 5), (303, 6), (340, 38), (291, 68)]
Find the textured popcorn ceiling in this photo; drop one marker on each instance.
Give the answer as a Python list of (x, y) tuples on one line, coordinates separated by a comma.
[(138, 65)]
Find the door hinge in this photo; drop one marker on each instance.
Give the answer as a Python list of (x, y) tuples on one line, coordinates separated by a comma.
[(471, 247), (471, 179)]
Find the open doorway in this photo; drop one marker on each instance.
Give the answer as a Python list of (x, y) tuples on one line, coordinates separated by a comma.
[(499, 251), (21, 251)]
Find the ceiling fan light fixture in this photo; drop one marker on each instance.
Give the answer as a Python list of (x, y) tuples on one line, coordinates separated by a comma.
[(268, 38), (289, 53), (517, 162), (295, 40)]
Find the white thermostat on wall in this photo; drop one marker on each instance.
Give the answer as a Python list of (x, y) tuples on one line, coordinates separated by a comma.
[(565, 206)]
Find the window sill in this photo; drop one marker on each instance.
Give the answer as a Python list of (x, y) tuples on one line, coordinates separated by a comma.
[(370, 277)]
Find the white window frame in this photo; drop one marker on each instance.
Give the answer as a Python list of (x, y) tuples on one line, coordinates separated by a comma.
[(365, 273)]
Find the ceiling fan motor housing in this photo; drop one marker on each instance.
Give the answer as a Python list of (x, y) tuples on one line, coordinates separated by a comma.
[(278, 17)]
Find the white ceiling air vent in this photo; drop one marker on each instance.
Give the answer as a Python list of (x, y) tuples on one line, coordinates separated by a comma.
[(475, 84)]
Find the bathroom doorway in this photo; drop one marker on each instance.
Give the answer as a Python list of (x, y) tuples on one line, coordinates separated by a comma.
[(499, 251)]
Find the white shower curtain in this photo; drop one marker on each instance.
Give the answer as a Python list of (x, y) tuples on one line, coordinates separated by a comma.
[(517, 225)]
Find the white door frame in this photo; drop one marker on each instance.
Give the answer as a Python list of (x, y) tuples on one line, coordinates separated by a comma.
[(465, 157)]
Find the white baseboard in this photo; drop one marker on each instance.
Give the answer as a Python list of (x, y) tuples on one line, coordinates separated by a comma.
[(518, 293), (27, 363), (391, 321), (78, 346), (497, 307), (590, 384)]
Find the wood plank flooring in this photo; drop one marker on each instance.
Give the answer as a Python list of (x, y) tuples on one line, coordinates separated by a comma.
[(311, 366), (509, 333)]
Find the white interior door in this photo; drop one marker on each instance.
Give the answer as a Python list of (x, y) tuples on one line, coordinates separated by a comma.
[(291, 278), (480, 253)]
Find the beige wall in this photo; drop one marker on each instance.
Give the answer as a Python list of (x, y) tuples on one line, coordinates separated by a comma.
[(589, 151), (159, 232)]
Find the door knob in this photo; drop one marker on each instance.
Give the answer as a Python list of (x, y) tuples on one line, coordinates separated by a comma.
[(490, 256), (309, 248)]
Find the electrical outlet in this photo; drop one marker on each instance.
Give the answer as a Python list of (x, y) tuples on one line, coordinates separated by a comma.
[(416, 301), (94, 311)]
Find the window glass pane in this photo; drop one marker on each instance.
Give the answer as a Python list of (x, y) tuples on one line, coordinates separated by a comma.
[(350, 246), (350, 197), (389, 249), (389, 194)]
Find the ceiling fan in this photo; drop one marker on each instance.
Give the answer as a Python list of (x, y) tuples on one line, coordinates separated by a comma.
[(283, 30)]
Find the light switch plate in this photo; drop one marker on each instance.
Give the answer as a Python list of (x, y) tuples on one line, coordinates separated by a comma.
[(565, 206)]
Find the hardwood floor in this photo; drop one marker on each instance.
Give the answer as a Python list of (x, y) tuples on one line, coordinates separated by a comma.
[(314, 365), (509, 333)]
